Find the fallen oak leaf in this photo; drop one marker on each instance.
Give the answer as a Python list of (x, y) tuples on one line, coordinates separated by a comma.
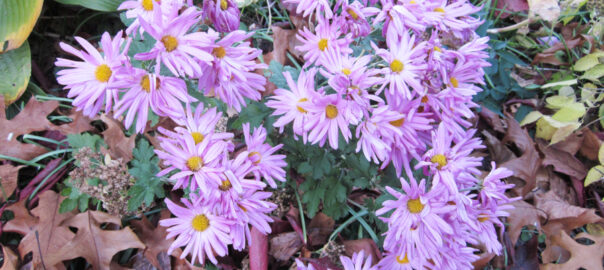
[(284, 245), (319, 229), (120, 146), (8, 180), (10, 260), (42, 230), (562, 161), (92, 243), (154, 238), (523, 214), (581, 256)]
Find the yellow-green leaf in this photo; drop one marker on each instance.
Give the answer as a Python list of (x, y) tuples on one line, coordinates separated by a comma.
[(100, 5), (570, 113), (557, 102), (17, 19), (601, 154), (563, 132), (594, 175), (594, 73), (545, 130), (15, 69), (531, 117), (562, 83), (586, 62)]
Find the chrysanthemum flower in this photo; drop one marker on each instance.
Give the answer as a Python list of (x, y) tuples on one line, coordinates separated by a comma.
[(233, 184), (308, 7), (358, 262), (326, 37), (416, 224), (268, 166), (492, 192), (398, 19), (178, 51), (328, 116), (395, 261), (254, 210), (93, 81), (377, 132), (451, 16), (200, 125), (224, 14), (162, 94), (290, 103), (405, 61), (354, 18), (198, 229), (145, 9), (200, 162)]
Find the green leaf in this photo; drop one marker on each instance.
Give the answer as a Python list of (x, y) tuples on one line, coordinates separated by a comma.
[(601, 154), (586, 62), (560, 83), (594, 73), (144, 168), (531, 117), (17, 20), (68, 205), (15, 70), (100, 5), (78, 141), (254, 113), (594, 174), (570, 113)]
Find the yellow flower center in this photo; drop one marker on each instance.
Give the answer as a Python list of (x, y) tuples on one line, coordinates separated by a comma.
[(194, 163), (226, 185), (300, 109), (346, 71), (224, 4), (397, 66), (146, 83), (424, 99), (148, 5), (439, 9), (258, 158), (454, 82), (439, 159), (436, 48), (398, 123), (323, 44), (331, 111), (412, 2), (197, 137), (353, 14), (103, 73), (220, 52), (405, 260), (242, 208), (200, 223), (170, 43), (415, 206), (483, 218)]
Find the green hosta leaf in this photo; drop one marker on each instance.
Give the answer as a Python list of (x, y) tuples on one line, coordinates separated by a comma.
[(144, 168), (594, 73), (17, 19), (100, 5), (595, 174), (15, 70)]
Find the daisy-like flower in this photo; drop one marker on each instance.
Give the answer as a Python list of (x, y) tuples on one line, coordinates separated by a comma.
[(416, 224), (447, 161), (451, 17), (354, 18), (326, 37), (200, 162), (376, 133), (405, 61), (224, 14), (93, 81), (162, 94), (178, 51), (399, 18), (145, 10), (358, 262), (233, 184), (198, 229), (268, 166), (492, 192), (486, 232), (289, 104), (308, 7), (253, 210), (395, 261), (200, 125), (328, 117)]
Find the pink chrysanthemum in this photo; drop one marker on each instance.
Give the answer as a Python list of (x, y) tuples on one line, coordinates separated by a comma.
[(290, 103), (398, 19), (328, 117), (162, 94), (200, 125), (198, 229), (326, 38), (405, 60), (178, 51), (224, 14), (254, 210), (451, 16), (358, 262), (200, 162), (93, 81), (492, 192), (145, 9), (308, 7), (353, 18), (268, 166)]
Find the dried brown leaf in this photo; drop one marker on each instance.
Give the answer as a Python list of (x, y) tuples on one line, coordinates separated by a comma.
[(366, 244), (9, 259), (155, 240), (319, 229), (120, 146), (523, 214), (562, 161), (92, 243), (581, 256), (284, 245), (591, 145), (8, 180)]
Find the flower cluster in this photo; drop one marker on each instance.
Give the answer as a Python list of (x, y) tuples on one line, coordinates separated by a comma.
[(408, 100), (221, 177)]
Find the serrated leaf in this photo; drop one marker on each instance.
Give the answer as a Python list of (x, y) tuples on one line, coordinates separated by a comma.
[(144, 168), (100, 5), (15, 70), (594, 73), (531, 117), (68, 205), (17, 20), (594, 174)]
